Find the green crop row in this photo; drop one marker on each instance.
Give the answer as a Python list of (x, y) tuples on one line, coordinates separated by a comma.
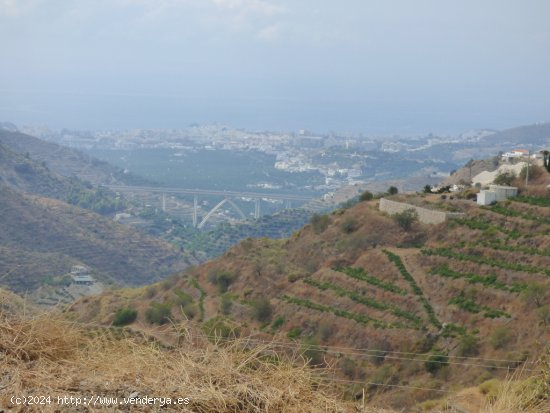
[(448, 253), (417, 290), (468, 304), (369, 302), (485, 280), (359, 318), (533, 200), (497, 245), (484, 225), (360, 274), (503, 210)]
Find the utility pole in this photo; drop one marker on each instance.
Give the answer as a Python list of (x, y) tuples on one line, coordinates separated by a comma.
[(527, 172)]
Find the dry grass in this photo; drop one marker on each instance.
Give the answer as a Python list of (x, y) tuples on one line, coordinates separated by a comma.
[(50, 356), (528, 396)]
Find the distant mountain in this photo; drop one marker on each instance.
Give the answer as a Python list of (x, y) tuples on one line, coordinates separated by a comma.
[(42, 238), (65, 161), (537, 136)]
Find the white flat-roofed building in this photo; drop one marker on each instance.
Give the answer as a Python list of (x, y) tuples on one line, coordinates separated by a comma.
[(496, 193)]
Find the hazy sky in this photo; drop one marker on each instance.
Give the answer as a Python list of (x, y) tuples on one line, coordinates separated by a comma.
[(383, 66)]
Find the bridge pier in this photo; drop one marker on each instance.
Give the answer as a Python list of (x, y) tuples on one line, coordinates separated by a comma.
[(288, 204), (195, 209), (257, 208)]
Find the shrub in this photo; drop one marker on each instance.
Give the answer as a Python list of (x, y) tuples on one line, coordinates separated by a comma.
[(190, 311), (544, 314), (169, 282), (182, 298), (124, 316), (326, 330), (406, 219), (384, 375), (262, 310), (535, 294), (294, 333), (490, 389), (217, 327), (221, 278), (468, 345), (319, 223), (500, 337), (392, 190), (366, 196), (435, 362), (225, 304), (279, 321), (349, 225), (150, 292), (505, 178), (348, 367), (158, 313), (312, 352)]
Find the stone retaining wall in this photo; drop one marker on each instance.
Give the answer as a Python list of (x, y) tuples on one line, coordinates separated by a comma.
[(425, 215)]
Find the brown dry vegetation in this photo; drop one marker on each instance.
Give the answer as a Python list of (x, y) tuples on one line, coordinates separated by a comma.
[(50, 356)]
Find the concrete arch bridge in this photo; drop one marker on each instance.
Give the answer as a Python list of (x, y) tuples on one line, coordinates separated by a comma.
[(228, 198)]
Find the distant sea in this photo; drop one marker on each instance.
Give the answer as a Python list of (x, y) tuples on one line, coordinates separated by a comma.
[(417, 116)]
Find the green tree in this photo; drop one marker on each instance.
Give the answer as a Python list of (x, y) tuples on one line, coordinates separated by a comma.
[(406, 219), (366, 196), (392, 190), (427, 189)]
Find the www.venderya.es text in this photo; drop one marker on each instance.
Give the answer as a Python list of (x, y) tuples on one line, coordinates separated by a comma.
[(96, 400)]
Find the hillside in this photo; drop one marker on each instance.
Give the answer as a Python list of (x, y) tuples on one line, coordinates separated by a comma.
[(65, 161), (41, 238), (537, 135), (432, 309)]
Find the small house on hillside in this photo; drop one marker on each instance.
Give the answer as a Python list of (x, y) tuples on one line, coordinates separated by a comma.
[(80, 275), (516, 153), (82, 279)]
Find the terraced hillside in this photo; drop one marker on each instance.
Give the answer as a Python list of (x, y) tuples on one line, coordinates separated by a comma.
[(410, 315)]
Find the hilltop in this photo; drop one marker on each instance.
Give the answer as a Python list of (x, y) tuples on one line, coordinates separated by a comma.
[(67, 162), (454, 298)]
